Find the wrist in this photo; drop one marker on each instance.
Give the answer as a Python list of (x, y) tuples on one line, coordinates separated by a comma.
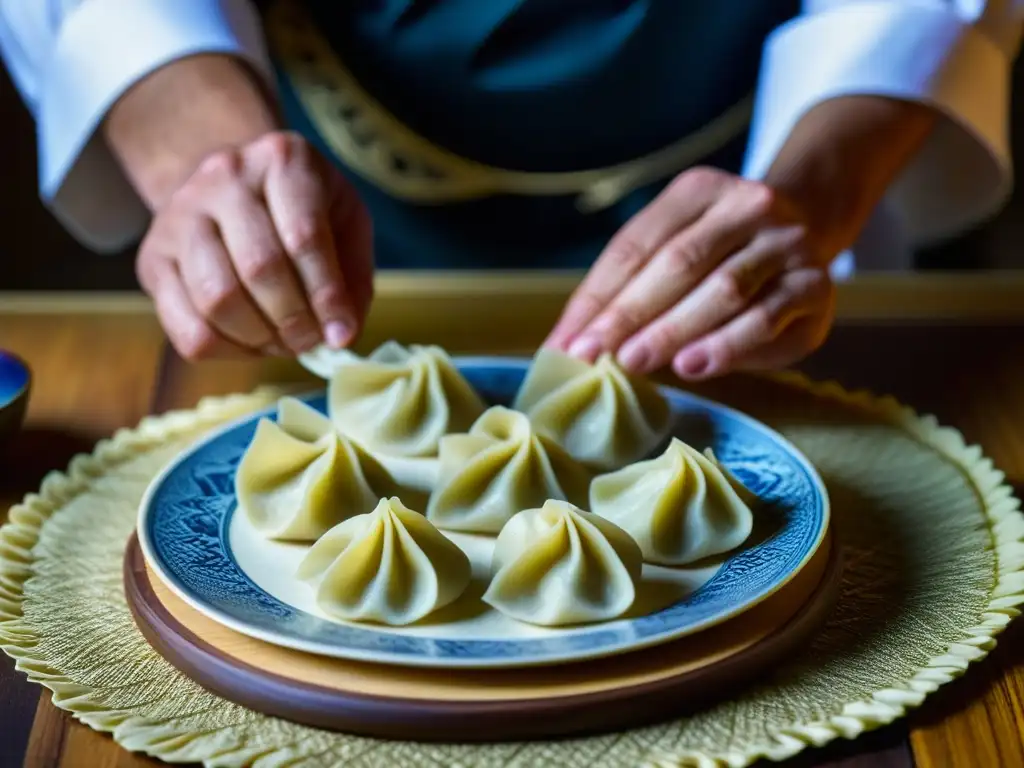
[(167, 123), (841, 158)]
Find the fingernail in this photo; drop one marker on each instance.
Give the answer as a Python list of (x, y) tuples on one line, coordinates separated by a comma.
[(634, 357), (337, 334), (585, 348), (693, 363)]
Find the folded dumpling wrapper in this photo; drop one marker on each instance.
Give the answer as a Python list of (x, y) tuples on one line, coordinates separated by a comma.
[(397, 401), (391, 566), (499, 468), (749, 497), (560, 565), (299, 477), (679, 507), (599, 414)]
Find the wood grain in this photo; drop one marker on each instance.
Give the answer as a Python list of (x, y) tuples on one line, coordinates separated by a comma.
[(94, 373), (182, 385), (884, 748), (979, 720), (972, 379), (493, 705), (91, 375), (513, 311)]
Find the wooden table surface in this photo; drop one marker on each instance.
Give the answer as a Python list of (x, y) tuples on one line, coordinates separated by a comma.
[(97, 371)]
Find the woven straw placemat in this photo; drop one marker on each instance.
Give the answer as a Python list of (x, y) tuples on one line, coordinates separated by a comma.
[(934, 570)]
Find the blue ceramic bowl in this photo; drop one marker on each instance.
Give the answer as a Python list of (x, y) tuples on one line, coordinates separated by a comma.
[(15, 383)]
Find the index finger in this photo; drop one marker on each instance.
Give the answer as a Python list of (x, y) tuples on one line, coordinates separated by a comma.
[(299, 202), (670, 274), (629, 250)]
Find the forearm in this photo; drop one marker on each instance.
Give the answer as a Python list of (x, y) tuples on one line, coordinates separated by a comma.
[(842, 156), (163, 127)]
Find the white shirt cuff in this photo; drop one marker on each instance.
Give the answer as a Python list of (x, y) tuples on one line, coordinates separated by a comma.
[(909, 51), (104, 47)]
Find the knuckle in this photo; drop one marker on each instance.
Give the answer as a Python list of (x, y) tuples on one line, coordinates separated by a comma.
[(618, 319), (297, 322), (627, 254), (282, 147), (686, 259), (144, 267), (660, 337), (261, 267), (818, 282), (300, 236), (729, 290), (585, 304), (795, 247), (213, 297), (222, 165), (797, 236), (185, 199), (195, 234), (763, 323), (699, 177), (278, 146), (298, 331), (196, 342), (327, 297), (810, 286), (761, 200)]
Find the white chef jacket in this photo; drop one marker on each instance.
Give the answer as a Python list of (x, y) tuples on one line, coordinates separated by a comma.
[(72, 59)]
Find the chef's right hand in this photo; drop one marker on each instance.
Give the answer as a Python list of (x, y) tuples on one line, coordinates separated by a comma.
[(265, 249)]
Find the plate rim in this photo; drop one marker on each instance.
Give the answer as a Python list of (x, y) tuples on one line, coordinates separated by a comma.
[(819, 601), (376, 656)]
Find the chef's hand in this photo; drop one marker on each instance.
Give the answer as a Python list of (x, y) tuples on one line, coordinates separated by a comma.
[(265, 249), (717, 274), (722, 274)]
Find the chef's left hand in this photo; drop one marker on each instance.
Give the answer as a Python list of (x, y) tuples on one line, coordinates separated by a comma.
[(717, 274)]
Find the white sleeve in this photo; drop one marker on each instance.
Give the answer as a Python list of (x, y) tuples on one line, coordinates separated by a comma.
[(954, 55), (72, 59)]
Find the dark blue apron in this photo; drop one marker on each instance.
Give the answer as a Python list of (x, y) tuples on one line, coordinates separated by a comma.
[(538, 85)]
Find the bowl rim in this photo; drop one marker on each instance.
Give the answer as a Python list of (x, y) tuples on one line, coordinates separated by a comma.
[(19, 393)]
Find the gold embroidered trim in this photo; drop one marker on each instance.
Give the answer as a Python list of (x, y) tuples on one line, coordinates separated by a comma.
[(375, 144)]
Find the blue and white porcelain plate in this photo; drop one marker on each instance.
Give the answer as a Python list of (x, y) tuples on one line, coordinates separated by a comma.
[(207, 553)]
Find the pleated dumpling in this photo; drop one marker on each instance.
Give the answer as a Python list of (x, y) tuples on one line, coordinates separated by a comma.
[(299, 477), (499, 468), (397, 401), (559, 565), (679, 507), (748, 496), (390, 566), (598, 413)]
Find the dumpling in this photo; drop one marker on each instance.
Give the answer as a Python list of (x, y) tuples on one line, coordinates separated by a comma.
[(397, 401), (560, 565), (600, 415), (390, 566), (748, 496), (679, 507), (499, 468), (298, 476)]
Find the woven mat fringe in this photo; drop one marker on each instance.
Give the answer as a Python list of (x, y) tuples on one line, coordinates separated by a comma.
[(173, 742)]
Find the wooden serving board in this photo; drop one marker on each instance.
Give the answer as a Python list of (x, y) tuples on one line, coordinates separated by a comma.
[(476, 705)]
